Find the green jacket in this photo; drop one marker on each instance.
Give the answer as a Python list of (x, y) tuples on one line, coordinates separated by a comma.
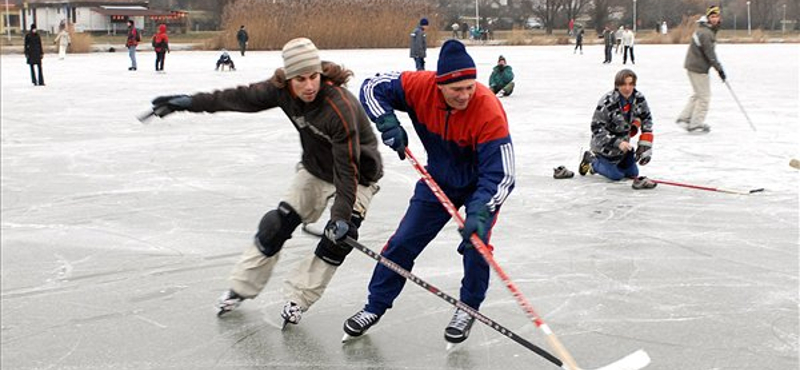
[(501, 76), (701, 55)]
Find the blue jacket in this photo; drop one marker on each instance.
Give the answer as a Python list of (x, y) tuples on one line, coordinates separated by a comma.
[(469, 151)]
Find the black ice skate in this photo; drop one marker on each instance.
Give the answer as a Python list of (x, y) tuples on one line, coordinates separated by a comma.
[(292, 313), (586, 164), (458, 329), (358, 324), (228, 302)]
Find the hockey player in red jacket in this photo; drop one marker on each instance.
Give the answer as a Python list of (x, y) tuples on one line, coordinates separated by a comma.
[(464, 130)]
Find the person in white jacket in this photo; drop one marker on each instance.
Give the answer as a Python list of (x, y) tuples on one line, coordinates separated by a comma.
[(63, 40), (628, 39)]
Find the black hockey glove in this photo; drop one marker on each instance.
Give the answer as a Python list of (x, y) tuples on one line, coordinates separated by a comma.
[(644, 152), (722, 75), (392, 134), (477, 216), (337, 230), (166, 105)]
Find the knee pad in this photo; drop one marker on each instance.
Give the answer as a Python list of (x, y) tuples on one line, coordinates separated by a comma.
[(333, 253), (276, 228)]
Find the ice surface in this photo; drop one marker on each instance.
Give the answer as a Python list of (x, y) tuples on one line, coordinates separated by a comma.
[(117, 237)]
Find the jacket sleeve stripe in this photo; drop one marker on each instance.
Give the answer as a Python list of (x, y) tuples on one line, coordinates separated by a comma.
[(504, 187), (351, 158), (373, 106)]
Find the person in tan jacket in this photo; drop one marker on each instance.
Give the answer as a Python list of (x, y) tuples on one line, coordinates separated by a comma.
[(700, 57)]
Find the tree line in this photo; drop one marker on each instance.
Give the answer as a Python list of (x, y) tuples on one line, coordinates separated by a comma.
[(595, 14)]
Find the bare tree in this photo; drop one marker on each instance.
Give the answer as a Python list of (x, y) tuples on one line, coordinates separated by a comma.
[(546, 11), (764, 13), (574, 8), (599, 14)]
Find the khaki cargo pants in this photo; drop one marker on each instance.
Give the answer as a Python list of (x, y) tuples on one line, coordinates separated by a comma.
[(304, 285)]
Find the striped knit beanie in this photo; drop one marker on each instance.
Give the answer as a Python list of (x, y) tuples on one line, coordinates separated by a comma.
[(454, 64), (712, 10), (300, 56)]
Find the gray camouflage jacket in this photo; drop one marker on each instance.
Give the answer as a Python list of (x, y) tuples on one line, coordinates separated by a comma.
[(419, 43), (701, 55), (610, 127)]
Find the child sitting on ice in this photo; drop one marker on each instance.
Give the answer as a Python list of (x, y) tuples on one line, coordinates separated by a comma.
[(225, 60)]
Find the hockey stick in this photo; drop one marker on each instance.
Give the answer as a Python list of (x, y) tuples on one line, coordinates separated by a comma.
[(639, 358), (721, 190), (391, 265), (145, 117), (740, 106)]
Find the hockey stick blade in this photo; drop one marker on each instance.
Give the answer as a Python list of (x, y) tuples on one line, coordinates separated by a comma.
[(795, 163), (634, 361), (145, 117)]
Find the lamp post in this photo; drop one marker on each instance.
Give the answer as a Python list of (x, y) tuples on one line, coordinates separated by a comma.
[(634, 15), (8, 20), (477, 16), (748, 18), (783, 23)]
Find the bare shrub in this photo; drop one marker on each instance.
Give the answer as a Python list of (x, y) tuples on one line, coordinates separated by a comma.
[(562, 40), (518, 37), (81, 42), (330, 24), (758, 36), (683, 32)]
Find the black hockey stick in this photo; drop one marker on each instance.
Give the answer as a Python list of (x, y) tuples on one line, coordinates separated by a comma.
[(449, 299), (144, 117)]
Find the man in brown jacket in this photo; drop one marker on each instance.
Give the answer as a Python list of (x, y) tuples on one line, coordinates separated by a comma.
[(340, 159)]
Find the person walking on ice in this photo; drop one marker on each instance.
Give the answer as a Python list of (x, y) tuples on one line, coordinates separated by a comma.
[(63, 41), (161, 46), (34, 52), (620, 115), (419, 44), (242, 38), (340, 160), (464, 130)]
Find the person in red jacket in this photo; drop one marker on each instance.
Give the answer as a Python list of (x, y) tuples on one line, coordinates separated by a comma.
[(161, 46), (464, 131)]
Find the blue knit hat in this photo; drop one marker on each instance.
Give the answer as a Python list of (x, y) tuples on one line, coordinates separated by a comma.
[(454, 64), (423, 22)]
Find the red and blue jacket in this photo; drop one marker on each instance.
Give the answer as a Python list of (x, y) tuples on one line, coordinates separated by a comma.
[(468, 150)]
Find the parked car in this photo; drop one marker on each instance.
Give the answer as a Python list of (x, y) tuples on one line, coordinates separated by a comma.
[(533, 24)]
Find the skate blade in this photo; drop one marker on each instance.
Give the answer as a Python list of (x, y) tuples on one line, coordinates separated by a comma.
[(451, 346), (349, 338)]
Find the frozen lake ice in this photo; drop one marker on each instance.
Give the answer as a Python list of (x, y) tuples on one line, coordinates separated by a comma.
[(117, 237)]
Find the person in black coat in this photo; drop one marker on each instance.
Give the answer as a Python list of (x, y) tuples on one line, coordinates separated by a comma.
[(34, 53)]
